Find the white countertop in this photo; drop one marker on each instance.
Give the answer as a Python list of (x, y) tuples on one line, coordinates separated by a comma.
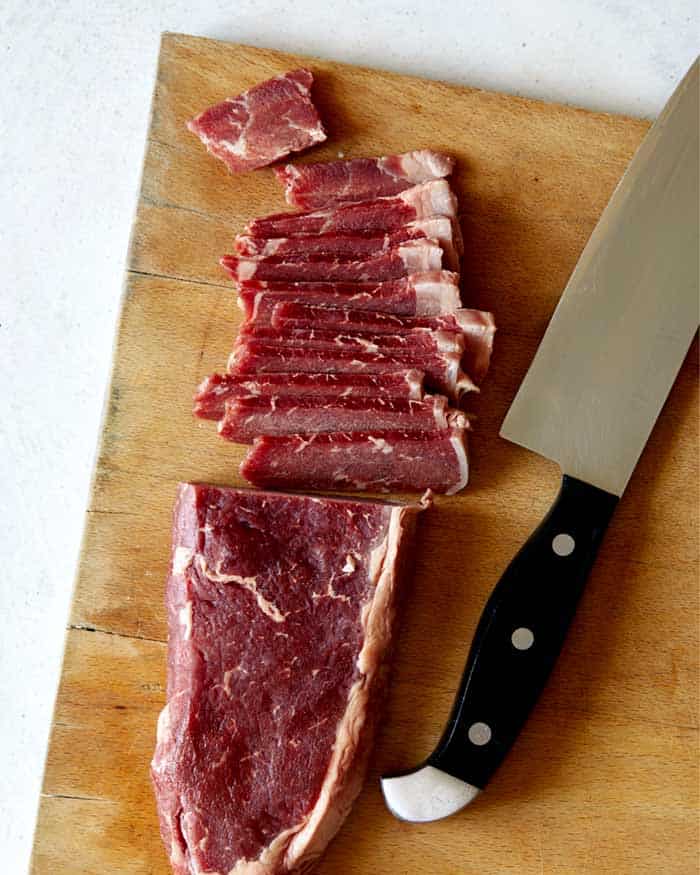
[(75, 100)]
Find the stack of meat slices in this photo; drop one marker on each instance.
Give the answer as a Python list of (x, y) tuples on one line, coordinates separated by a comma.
[(355, 350)]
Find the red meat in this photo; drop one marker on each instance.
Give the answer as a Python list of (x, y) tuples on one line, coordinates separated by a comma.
[(429, 293), (412, 256), (373, 216), (418, 340), (216, 390), (281, 613), (308, 186), (477, 327), (263, 124), (246, 418), (355, 247), (442, 370), (386, 461)]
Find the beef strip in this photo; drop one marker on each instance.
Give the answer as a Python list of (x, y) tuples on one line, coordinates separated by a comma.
[(430, 293), (355, 247), (246, 418), (213, 392), (309, 186), (384, 461), (442, 369), (477, 327), (423, 340), (380, 215), (412, 256)]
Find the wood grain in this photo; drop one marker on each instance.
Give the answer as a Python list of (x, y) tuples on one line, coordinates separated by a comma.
[(604, 777)]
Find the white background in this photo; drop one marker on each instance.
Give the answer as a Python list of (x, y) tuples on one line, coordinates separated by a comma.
[(74, 99)]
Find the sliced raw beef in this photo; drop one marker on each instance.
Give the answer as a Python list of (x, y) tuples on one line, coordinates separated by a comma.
[(308, 186), (292, 315), (442, 370), (216, 390), (383, 214), (246, 418), (477, 327), (426, 294), (386, 461), (413, 256), (263, 124), (418, 340), (258, 306), (354, 247), (281, 612)]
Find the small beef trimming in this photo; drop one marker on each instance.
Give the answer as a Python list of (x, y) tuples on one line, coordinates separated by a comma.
[(263, 124)]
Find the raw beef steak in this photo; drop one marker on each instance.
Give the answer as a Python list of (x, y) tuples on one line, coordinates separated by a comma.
[(263, 124), (383, 461), (216, 390), (412, 256), (374, 216), (281, 610), (308, 186), (246, 418)]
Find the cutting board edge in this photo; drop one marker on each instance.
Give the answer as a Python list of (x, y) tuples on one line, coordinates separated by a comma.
[(525, 100)]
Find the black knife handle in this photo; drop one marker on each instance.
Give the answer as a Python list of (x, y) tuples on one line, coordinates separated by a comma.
[(521, 632)]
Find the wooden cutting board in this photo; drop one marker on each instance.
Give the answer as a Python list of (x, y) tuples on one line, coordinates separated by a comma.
[(604, 777)]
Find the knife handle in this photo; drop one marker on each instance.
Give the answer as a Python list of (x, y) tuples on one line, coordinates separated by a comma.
[(521, 632)]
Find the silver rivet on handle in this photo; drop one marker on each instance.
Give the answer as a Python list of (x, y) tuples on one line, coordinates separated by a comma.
[(563, 544)]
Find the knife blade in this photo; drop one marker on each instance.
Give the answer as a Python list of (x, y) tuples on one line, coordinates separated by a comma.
[(589, 401)]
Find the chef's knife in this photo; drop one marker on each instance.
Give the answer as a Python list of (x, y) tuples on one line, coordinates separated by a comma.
[(589, 401)]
